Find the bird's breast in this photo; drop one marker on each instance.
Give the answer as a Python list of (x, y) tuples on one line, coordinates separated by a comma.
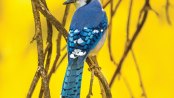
[(99, 45)]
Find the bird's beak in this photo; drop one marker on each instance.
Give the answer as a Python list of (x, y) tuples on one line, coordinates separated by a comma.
[(69, 1)]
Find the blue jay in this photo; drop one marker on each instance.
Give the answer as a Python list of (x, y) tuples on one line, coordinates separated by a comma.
[(86, 36)]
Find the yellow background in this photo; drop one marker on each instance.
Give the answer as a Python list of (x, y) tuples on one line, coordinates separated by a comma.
[(154, 49)]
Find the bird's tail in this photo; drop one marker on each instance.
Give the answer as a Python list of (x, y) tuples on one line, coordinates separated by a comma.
[(72, 80)]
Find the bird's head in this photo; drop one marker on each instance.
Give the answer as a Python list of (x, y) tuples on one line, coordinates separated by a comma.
[(78, 3)]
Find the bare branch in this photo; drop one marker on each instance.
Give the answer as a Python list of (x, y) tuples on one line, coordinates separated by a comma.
[(53, 70), (144, 95), (110, 30), (102, 90), (128, 87), (59, 43), (58, 48), (48, 49), (128, 21), (91, 84), (103, 93), (106, 4), (109, 42), (116, 8), (34, 83), (143, 14), (127, 41), (100, 76), (52, 19), (39, 41), (64, 47), (167, 12)]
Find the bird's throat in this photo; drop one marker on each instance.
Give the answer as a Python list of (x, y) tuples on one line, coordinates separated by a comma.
[(80, 3)]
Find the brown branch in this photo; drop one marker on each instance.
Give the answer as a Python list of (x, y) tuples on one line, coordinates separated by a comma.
[(106, 4), (110, 33), (103, 93), (128, 21), (54, 64), (94, 64), (144, 95), (110, 30), (116, 8), (167, 12), (109, 42), (91, 84), (127, 41), (59, 37), (100, 77), (102, 90), (61, 60), (52, 19), (48, 49), (128, 87), (39, 40), (103, 81), (137, 67), (143, 14), (34, 83), (64, 47), (58, 48), (53, 69)]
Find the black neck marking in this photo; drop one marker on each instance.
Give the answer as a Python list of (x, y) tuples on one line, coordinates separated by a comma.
[(88, 1)]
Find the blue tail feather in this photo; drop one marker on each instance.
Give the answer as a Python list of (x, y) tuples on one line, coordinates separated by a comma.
[(72, 81)]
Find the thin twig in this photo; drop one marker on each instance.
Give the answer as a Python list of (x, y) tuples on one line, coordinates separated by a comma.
[(109, 41), (137, 67), (106, 4), (143, 14), (167, 12), (34, 83), (128, 87), (61, 60), (110, 30), (48, 49), (103, 93), (101, 78), (128, 21), (64, 47), (91, 84), (144, 95), (116, 7), (110, 33), (52, 19), (53, 69), (102, 90), (58, 48), (127, 41)]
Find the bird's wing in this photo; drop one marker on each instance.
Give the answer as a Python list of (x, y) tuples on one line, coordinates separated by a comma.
[(81, 42)]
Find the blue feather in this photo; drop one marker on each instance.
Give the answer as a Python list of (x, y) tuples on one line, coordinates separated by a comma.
[(73, 77), (89, 15)]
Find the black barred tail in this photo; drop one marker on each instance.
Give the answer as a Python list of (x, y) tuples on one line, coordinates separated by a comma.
[(72, 81)]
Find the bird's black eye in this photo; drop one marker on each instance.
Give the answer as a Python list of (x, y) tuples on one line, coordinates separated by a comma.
[(87, 1)]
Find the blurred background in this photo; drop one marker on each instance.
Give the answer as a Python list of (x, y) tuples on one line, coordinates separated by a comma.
[(154, 50)]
